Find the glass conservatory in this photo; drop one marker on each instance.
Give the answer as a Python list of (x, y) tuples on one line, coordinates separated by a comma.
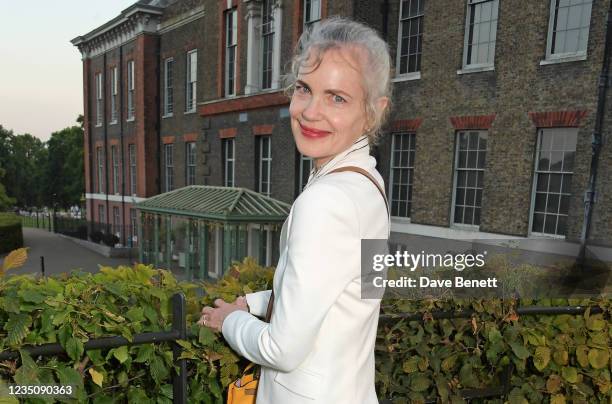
[(200, 230)]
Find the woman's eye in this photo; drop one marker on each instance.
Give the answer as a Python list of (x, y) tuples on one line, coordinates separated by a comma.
[(301, 89), (338, 99)]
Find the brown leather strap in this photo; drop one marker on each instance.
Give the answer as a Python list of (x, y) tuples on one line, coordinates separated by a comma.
[(337, 170), (270, 306), (368, 175)]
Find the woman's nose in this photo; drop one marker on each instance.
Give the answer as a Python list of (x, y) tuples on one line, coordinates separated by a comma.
[(312, 110)]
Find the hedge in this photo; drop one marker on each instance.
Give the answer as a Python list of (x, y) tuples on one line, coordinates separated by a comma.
[(557, 359), (11, 235)]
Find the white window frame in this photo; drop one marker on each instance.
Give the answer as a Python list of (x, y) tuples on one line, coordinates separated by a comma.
[(314, 6), (263, 140), (131, 109), (101, 214), (271, 34), (534, 187), (229, 161), (304, 160), (132, 160), (100, 158), (115, 163), (467, 169), (169, 166), (168, 87), (567, 56), (395, 165), (419, 18), (255, 63), (99, 99), (114, 92), (489, 65), (231, 46), (190, 160), (116, 221), (133, 226), (191, 80)]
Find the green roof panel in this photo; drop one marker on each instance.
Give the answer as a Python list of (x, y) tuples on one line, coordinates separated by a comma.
[(229, 204)]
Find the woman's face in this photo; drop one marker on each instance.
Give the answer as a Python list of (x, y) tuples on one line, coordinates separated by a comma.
[(328, 105)]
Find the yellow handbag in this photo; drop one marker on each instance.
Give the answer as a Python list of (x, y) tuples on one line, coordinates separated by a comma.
[(244, 389)]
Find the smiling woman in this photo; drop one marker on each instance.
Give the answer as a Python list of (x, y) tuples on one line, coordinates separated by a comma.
[(318, 346)]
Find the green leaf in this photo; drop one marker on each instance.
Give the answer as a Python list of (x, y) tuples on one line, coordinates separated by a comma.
[(145, 353), (570, 374), (159, 371), (411, 365), (121, 353), (598, 358), (96, 376), (68, 375), (420, 383), (32, 296), (561, 357), (75, 349), (206, 336), (541, 357), (135, 314), (18, 328), (519, 350), (582, 355)]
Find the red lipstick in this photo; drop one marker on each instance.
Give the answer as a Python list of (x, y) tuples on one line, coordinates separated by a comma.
[(311, 132)]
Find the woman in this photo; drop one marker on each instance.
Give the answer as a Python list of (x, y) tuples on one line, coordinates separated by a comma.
[(319, 344)]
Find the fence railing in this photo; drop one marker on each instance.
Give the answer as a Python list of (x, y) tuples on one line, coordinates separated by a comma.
[(178, 331), (107, 233)]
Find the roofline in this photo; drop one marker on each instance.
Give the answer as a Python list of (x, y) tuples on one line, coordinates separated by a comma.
[(216, 217), (122, 17)]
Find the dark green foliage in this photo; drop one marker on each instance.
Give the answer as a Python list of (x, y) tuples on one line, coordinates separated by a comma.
[(11, 235), (557, 358)]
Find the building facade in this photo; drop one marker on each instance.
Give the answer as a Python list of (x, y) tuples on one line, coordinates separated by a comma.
[(494, 108)]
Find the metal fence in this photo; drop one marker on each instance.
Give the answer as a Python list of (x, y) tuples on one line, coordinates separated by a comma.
[(179, 332), (107, 233)]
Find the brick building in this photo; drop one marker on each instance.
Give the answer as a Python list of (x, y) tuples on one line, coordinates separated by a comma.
[(495, 104)]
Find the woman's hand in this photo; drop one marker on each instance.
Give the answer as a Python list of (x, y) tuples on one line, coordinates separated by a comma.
[(213, 317)]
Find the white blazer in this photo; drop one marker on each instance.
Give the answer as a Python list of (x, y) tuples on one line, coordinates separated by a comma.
[(319, 344)]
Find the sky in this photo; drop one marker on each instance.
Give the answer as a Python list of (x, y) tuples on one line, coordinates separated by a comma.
[(41, 73)]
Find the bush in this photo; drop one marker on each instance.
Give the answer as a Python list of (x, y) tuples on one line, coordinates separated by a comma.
[(97, 236), (557, 358), (11, 234), (110, 239)]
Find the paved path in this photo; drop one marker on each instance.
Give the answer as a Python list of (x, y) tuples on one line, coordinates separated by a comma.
[(61, 254)]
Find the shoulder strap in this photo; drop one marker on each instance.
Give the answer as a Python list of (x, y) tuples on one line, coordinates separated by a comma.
[(337, 170), (368, 175)]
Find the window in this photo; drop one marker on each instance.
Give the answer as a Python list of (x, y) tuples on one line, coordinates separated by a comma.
[(568, 29), (132, 160), (401, 178), (192, 78), (265, 161), (410, 37), (98, 99), (228, 162), (190, 173), (169, 159), (114, 88), (556, 149), (470, 155), (115, 162), (133, 227), (168, 86), (101, 214), (130, 90), (267, 41), (305, 169), (312, 12), (116, 221), (100, 158), (480, 33), (231, 42)]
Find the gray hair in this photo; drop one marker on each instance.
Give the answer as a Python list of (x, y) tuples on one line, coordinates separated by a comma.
[(336, 32)]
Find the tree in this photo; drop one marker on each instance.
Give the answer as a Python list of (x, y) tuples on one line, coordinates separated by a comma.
[(65, 172), (5, 201)]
